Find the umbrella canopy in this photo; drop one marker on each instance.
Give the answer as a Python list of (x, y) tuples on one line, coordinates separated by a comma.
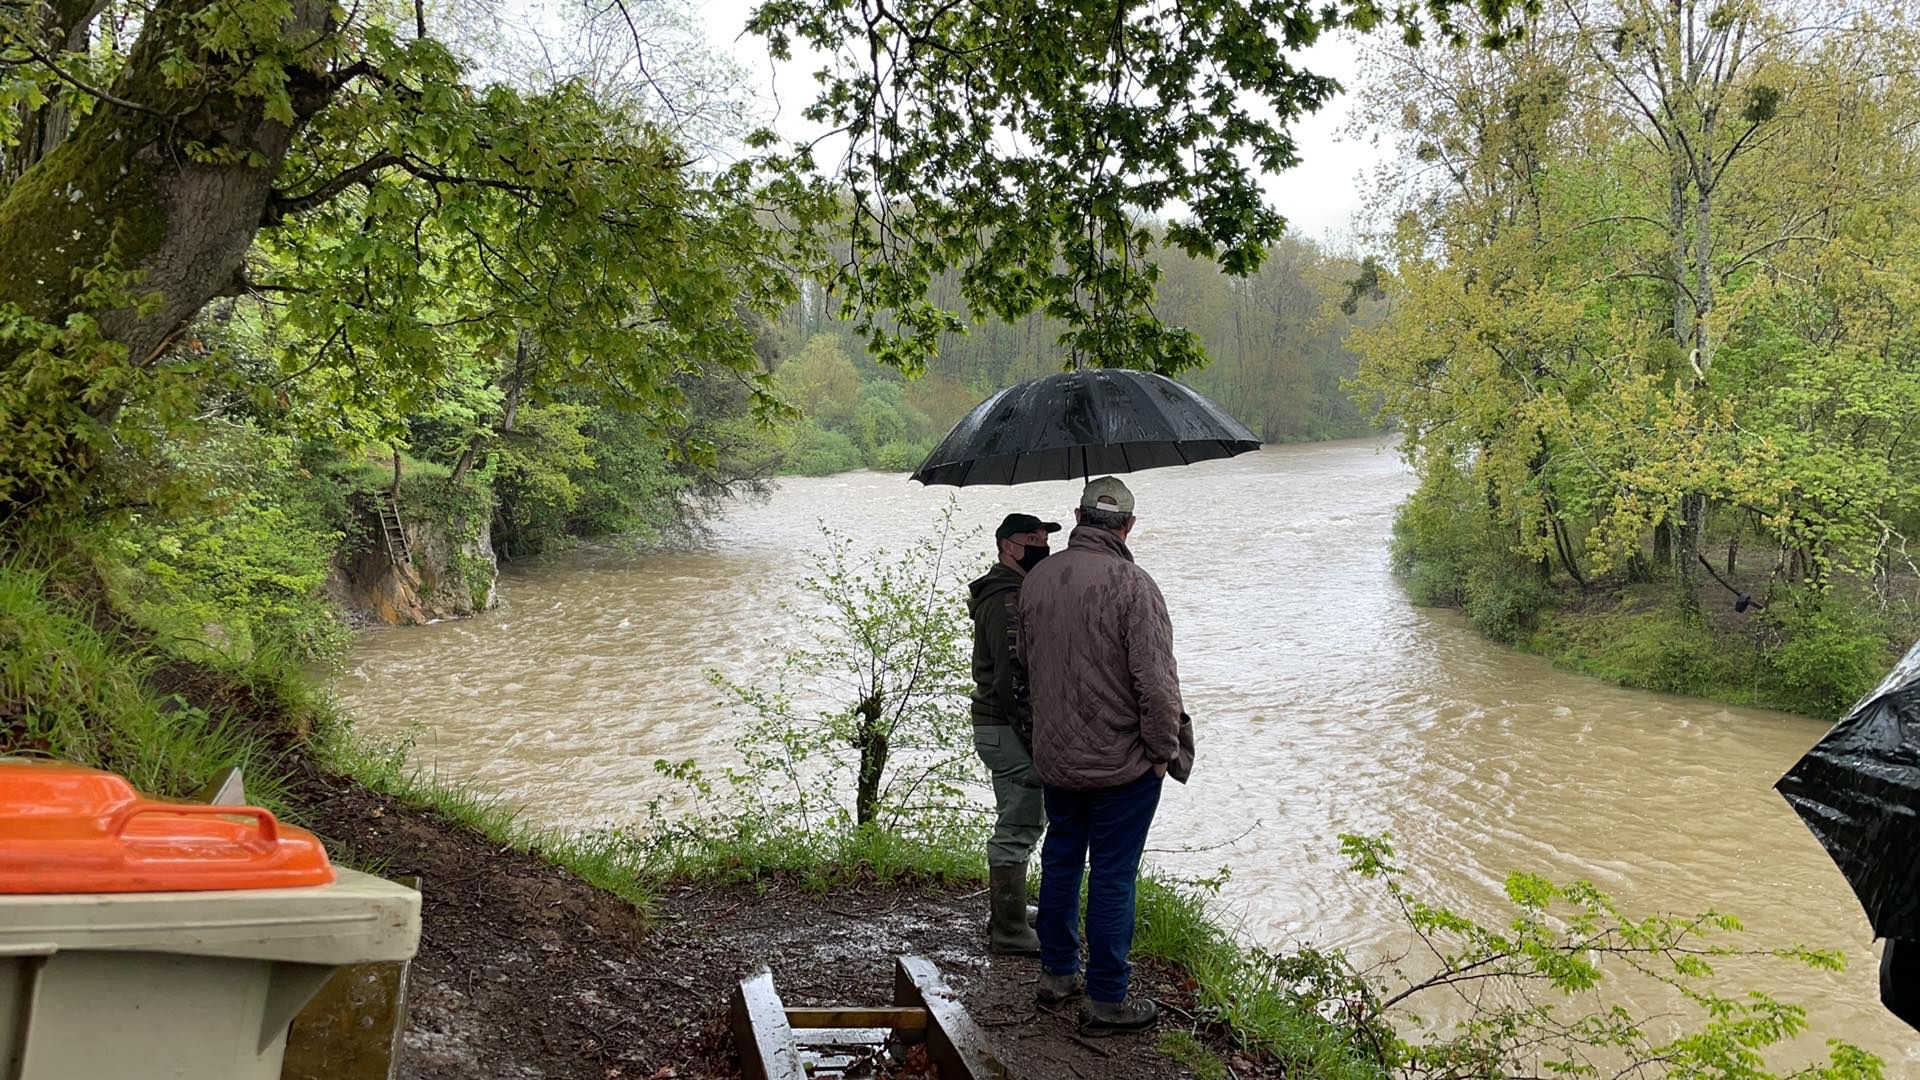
[(1079, 424), (1858, 789)]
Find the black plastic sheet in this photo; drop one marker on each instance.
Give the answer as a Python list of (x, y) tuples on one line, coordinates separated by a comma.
[(1900, 980), (1858, 789)]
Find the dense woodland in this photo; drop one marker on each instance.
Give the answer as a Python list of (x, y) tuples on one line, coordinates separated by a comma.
[(1650, 332), (1276, 340), (1640, 298)]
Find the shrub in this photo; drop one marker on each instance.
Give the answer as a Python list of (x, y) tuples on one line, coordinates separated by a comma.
[(818, 452), (898, 457), (245, 568), (1504, 596), (1832, 649), (1436, 536)]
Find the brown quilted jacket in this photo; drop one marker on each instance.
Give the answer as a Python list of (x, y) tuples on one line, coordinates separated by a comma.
[(1098, 651)]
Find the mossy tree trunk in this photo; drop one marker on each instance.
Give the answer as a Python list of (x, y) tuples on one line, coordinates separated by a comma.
[(870, 739), (167, 178)]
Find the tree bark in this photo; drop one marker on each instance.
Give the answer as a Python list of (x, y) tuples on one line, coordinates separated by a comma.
[(871, 741), (126, 190), (66, 29)]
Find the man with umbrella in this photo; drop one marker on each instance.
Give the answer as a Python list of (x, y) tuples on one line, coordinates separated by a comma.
[(1003, 731), (1098, 649)]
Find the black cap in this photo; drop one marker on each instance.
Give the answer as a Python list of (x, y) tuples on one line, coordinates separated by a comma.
[(1023, 523)]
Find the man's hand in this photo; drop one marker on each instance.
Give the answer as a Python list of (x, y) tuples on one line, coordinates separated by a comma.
[(1160, 770)]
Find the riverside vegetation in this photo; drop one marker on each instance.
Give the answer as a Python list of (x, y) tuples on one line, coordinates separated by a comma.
[(867, 779), (1649, 335), (261, 260)]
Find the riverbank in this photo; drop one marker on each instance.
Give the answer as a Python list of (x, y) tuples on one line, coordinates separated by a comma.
[(626, 991), (550, 955), (1811, 655), (528, 971), (1749, 631)]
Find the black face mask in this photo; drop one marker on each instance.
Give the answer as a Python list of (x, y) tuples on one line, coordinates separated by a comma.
[(1030, 555)]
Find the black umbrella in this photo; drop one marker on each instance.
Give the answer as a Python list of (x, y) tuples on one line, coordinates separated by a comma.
[(1858, 789), (1079, 424)]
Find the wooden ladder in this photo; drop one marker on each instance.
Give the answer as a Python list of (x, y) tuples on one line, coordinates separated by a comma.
[(396, 536)]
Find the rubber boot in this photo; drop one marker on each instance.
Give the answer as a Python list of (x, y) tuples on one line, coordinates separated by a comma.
[(1007, 931), (1113, 1017)]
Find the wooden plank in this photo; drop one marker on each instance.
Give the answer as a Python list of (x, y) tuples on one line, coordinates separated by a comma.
[(954, 1042), (907, 1019), (761, 1033), (827, 1038)]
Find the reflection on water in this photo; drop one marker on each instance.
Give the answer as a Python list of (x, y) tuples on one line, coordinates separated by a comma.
[(1324, 703)]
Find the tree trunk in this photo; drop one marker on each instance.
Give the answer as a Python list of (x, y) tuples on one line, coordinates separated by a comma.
[(871, 741), (1663, 545), (516, 384), (67, 27), (1564, 544), (126, 185)]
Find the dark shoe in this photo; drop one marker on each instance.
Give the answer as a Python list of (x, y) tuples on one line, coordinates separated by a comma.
[(1113, 1017), (1007, 931), (1057, 989)]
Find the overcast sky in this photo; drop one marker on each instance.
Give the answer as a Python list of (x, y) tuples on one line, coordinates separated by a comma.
[(1319, 198)]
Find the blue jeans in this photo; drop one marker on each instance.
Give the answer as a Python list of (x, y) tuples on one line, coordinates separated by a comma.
[(1101, 832)]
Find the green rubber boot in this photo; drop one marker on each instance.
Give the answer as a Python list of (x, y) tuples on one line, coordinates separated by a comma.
[(1007, 931)]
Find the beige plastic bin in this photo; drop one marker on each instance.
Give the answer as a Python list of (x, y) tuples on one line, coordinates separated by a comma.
[(127, 986)]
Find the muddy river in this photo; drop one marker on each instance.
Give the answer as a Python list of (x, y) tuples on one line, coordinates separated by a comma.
[(1325, 703)]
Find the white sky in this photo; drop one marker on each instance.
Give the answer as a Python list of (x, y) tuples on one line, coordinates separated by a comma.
[(1320, 197)]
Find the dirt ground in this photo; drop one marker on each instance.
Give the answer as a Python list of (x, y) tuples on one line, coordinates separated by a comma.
[(525, 971)]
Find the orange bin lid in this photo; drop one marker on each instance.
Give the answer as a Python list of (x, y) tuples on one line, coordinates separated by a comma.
[(69, 829)]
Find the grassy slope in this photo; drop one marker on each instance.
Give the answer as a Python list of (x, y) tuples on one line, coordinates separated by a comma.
[(80, 683)]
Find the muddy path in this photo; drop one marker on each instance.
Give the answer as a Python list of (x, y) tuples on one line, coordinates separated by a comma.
[(526, 971)]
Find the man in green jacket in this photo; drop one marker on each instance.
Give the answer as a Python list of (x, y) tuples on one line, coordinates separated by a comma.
[(1003, 728)]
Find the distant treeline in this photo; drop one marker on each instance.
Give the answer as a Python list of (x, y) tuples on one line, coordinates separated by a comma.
[(1275, 338)]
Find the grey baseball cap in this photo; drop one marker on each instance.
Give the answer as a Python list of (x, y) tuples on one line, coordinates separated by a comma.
[(1107, 493)]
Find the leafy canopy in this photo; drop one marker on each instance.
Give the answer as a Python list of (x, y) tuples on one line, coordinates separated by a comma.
[(1027, 145)]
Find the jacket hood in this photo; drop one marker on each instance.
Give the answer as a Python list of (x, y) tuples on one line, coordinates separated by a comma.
[(1001, 579)]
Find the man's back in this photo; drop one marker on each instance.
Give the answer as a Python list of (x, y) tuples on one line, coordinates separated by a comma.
[(1098, 647)]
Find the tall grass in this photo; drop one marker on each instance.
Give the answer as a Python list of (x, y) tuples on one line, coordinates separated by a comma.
[(1265, 1000), (68, 691)]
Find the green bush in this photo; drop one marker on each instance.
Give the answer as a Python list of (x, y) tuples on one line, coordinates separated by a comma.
[(817, 452), (1448, 554), (1437, 535), (1832, 649), (246, 567), (898, 457), (1504, 597), (631, 489)]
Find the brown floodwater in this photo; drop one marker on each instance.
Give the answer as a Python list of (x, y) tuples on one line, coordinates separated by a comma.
[(1324, 702)]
